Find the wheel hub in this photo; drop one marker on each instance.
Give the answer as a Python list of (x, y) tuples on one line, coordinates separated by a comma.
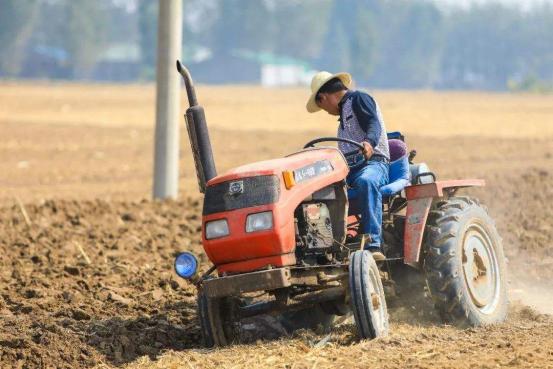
[(380, 312), (375, 301), (480, 268)]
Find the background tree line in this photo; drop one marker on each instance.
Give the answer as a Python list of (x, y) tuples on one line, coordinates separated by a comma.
[(384, 43)]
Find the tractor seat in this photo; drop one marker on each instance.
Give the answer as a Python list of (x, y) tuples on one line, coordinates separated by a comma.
[(398, 170)]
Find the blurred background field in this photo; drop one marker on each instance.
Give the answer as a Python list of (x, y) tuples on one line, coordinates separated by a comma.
[(430, 113), (68, 140)]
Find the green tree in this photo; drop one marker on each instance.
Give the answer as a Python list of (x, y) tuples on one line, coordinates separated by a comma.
[(337, 51), (483, 47), (297, 29), (410, 50), (365, 41), (352, 37), (17, 19), (240, 24), (147, 28), (84, 34), (535, 59), (78, 27)]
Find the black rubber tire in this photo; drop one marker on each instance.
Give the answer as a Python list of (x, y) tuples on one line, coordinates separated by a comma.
[(203, 317), (364, 276), (215, 323), (313, 318), (447, 226)]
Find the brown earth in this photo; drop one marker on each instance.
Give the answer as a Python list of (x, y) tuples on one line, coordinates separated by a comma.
[(86, 262)]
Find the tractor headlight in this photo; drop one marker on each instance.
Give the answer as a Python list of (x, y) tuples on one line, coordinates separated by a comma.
[(186, 265), (259, 221), (216, 229)]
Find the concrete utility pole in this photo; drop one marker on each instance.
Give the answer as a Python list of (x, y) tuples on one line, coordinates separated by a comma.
[(169, 48)]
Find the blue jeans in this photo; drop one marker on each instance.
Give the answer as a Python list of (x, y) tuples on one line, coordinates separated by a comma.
[(365, 198)]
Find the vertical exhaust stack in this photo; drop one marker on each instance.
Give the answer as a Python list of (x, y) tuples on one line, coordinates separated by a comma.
[(198, 133)]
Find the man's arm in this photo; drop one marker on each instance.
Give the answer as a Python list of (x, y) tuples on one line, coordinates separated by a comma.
[(364, 108)]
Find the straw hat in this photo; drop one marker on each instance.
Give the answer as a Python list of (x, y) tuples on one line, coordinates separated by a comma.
[(318, 81)]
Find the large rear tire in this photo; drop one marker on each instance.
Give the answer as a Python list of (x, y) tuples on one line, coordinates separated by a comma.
[(465, 264), (367, 296), (216, 322)]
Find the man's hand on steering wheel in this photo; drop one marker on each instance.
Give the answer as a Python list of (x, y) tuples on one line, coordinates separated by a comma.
[(360, 148), (367, 150)]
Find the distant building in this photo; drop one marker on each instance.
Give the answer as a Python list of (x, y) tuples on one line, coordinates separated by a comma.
[(225, 69), (242, 66), (118, 63), (275, 75), (279, 71)]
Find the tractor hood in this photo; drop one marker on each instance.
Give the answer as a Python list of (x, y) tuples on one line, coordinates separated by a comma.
[(274, 187), (305, 164)]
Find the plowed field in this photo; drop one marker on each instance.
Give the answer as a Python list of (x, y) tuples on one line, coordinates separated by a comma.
[(86, 257)]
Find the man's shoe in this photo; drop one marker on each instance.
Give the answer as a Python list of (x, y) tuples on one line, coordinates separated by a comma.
[(362, 239), (377, 254)]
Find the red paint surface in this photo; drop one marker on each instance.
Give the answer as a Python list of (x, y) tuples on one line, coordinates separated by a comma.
[(436, 189), (415, 222), (241, 251), (259, 263), (419, 201)]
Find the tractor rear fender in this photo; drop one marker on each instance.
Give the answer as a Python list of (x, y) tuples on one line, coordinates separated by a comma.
[(419, 201)]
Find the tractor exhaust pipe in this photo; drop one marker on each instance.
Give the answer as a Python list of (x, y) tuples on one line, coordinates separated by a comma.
[(197, 132)]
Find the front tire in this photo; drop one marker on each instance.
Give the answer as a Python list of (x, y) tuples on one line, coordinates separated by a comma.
[(465, 264), (367, 296), (216, 322)]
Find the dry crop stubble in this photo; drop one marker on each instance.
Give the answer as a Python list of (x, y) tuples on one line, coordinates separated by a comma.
[(77, 143)]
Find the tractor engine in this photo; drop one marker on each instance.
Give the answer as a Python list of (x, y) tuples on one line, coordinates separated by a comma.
[(314, 229), (319, 224)]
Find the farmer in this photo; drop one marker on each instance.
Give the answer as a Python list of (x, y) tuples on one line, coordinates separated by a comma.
[(360, 121)]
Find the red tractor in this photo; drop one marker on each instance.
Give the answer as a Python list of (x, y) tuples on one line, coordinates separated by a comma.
[(283, 243)]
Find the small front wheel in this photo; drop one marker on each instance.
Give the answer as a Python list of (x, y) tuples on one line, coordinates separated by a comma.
[(367, 296), (216, 322)]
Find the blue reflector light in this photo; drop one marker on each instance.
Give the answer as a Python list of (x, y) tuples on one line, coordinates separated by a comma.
[(186, 265)]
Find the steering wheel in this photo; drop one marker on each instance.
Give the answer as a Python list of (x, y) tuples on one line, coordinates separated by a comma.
[(350, 156)]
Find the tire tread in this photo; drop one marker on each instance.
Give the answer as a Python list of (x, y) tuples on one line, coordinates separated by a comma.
[(442, 262)]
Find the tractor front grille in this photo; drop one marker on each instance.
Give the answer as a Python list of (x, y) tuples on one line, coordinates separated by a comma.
[(241, 193)]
